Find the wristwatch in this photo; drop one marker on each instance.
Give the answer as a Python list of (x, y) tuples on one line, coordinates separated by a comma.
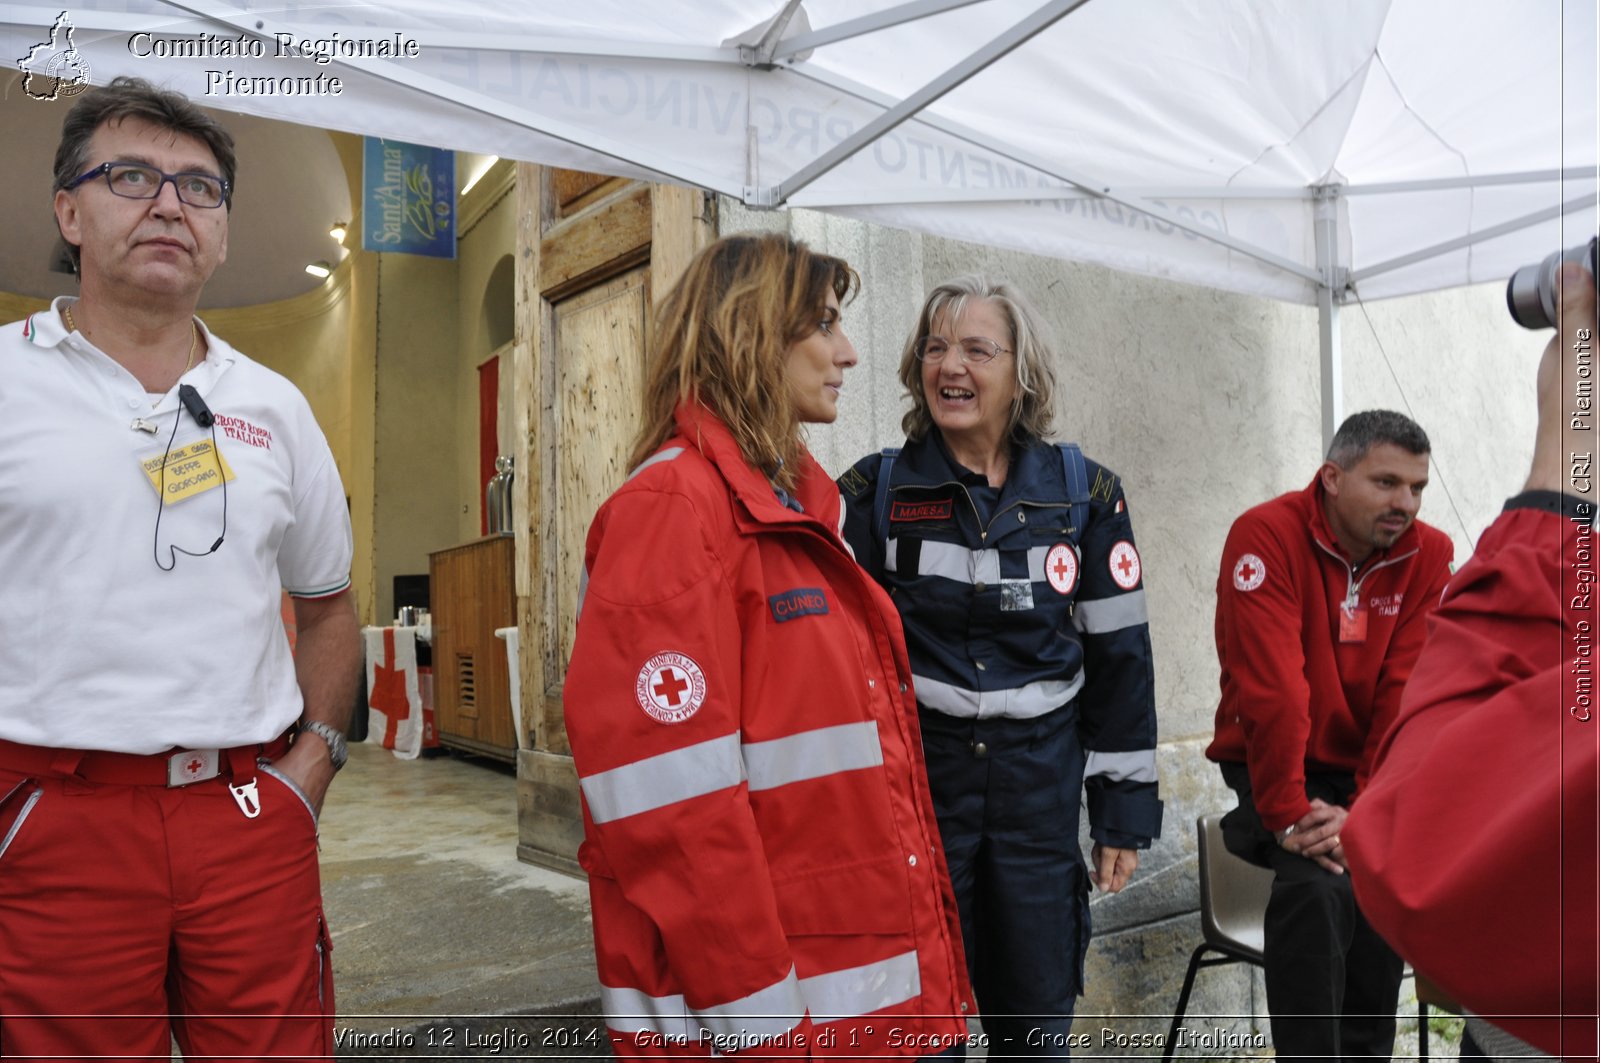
[(338, 749)]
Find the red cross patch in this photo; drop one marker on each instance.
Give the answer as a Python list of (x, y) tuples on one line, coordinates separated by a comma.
[(670, 688), (1061, 568), (1249, 573), (1124, 564)]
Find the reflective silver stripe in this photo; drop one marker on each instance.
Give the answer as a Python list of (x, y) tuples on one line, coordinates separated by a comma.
[(583, 590), (630, 1011), (1036, 559), (1138, 766), (812, 755), (891, 556), (655, 459), (958, 563), (1104, 615), (859, 990), (655, 782), (1021, 703), (763, 1014)]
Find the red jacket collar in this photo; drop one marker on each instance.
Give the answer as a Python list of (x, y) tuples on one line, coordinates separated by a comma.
[(814, 489)]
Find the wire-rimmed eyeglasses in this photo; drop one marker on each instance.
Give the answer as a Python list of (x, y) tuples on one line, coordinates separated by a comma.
[(975, 350), (135, 180)]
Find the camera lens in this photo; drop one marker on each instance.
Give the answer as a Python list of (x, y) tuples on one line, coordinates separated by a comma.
[(1531, 291), (1524, 294)]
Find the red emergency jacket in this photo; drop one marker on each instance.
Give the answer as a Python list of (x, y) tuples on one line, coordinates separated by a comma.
[(763, 857), (1294, 696), (1474, 850)]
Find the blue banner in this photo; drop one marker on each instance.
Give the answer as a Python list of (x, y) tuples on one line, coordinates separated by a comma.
[(409, 199)]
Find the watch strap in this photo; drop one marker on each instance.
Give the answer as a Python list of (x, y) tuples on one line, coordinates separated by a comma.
[(338, 748)]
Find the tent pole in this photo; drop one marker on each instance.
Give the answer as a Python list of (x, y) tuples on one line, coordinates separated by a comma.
[(1325, 224)]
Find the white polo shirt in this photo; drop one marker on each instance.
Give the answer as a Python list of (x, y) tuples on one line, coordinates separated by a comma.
[(100, 648)]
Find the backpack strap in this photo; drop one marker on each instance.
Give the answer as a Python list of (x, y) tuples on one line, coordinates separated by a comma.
[(1077, 477), (880, 501)]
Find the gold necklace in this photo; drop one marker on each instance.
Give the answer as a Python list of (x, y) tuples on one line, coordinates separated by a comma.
[(194, 337)]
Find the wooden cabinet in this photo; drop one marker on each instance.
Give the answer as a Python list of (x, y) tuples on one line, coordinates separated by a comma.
[(473, 594)]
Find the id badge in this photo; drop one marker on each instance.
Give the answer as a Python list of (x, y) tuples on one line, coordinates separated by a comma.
[(189, 470), (1353, 624)]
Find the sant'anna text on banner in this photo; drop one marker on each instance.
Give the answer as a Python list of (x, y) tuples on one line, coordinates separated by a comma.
[(408, 199)]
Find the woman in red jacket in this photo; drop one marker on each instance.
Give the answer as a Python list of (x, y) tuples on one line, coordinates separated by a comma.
[(763, 858)]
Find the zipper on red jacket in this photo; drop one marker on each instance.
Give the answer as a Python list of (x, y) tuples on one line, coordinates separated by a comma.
[(1352, 585)]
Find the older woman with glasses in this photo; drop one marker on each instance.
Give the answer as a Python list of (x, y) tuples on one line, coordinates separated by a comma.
[(1012, 562), (763, 859)]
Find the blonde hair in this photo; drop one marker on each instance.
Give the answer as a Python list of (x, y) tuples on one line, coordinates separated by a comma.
[(1032, 412), (722, 337)]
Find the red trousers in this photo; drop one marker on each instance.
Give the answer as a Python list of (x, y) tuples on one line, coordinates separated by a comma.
[(130, 914)]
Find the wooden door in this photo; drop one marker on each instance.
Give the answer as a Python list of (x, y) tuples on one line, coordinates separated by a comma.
[(592, 255)]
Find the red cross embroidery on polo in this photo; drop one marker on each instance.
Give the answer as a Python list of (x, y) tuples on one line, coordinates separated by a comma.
[(671, 687)]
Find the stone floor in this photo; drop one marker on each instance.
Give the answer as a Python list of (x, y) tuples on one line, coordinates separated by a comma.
[(439, 932)]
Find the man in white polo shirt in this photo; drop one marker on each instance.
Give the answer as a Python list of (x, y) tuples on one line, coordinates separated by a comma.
[(158, 860)]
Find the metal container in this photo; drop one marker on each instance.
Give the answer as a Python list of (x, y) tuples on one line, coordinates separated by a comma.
[(497, 497)]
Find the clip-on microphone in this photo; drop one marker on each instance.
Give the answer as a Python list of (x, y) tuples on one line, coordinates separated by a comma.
[(195, 405)]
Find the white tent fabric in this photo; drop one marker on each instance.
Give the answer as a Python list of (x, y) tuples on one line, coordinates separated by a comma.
[(1199, 140)]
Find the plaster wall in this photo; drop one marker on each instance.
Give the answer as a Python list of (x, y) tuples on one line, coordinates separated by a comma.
[(1205, 403), (485, 256), (416, 436)]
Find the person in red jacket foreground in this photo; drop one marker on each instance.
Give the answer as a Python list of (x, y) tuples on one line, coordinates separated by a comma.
[(1474, 848), (764, 863), (1320, 616)]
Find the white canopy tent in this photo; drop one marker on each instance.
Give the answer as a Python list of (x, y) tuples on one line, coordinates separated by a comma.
[(1298, 149)]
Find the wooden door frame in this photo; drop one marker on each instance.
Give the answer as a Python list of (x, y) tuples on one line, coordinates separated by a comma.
[(655, 224)]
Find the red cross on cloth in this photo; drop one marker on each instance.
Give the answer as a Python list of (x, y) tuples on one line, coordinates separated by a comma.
[(671, 687), (389, 691), (1125, 564), (1062, 569), (1247, 571), (396, 707)]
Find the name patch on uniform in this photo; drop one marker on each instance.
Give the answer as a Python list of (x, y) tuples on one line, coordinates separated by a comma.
[(905, 511), (802, 601), (188, 470)]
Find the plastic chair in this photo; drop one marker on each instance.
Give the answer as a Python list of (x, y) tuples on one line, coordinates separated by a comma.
[(1233, 908)]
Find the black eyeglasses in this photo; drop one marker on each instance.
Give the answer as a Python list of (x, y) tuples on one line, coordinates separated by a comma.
[(975, 350), (135, 180)]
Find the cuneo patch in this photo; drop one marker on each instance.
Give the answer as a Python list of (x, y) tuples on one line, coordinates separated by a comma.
[(802, 601)]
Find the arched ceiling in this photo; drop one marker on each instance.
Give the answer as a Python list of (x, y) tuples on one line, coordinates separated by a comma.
[(292, 187)]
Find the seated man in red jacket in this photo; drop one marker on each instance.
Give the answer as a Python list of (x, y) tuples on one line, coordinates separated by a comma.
[(1474, 849), (1320, 609)]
